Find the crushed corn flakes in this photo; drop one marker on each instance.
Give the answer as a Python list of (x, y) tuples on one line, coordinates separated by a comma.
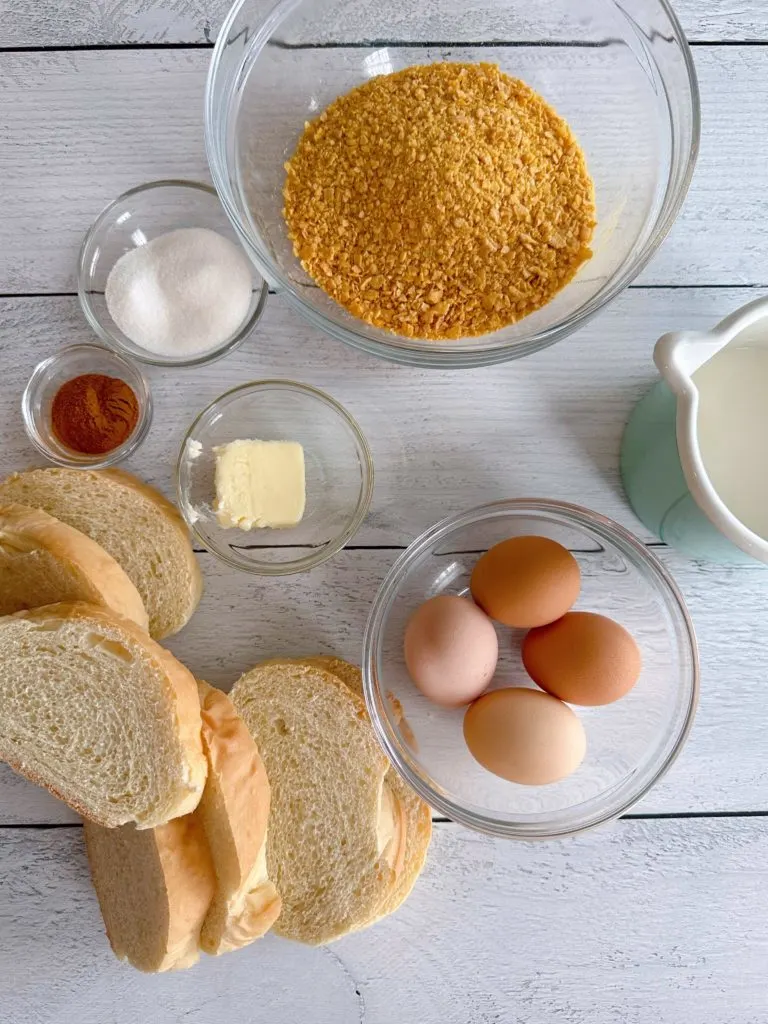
[(442, 201)]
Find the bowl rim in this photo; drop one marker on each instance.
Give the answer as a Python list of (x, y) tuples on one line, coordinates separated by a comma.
[(420, 352), (387, 593), (332, 547), (83, 461), (114, 339)]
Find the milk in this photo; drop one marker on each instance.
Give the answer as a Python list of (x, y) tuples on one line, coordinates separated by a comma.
[(732, 429), (694, 456)]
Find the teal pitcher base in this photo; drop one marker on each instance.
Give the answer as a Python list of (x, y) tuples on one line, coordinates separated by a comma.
[(655, 484)]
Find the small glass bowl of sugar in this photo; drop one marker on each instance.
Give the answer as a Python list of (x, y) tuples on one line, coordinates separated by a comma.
[(163, 279)]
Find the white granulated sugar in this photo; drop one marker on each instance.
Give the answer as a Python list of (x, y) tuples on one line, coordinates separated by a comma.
[(182, 293)]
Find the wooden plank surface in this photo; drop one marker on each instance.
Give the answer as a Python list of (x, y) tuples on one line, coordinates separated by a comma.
[(648, 921), (722, 769), (72, 142), (73, 23), (549, 425)]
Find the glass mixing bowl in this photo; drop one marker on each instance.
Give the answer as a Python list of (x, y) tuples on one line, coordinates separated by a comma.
[(620, 73), (630, 744)]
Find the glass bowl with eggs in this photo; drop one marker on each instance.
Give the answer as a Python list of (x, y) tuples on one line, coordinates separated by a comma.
[(530, 668)]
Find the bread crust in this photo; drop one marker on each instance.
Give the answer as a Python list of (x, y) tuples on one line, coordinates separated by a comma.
[(247, 904), (187, 706), (418, 814), (164, 508), (190, 880), (25, 525), (201, 913), (188, 883), (334, 919), (176, 520)]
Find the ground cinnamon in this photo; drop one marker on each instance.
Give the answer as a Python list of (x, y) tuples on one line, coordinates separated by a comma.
[(93, 413)]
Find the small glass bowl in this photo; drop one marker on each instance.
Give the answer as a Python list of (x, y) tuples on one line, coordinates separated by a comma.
[(338, 468), (630, 744), (133, 219), (48, 377)]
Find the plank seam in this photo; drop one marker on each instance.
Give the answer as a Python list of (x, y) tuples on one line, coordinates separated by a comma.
[(660, 816), (734, 286), (402, 547), (379, 43)]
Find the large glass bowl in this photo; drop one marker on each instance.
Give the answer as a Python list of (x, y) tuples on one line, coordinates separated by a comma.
[(620, 73), (630, 744)]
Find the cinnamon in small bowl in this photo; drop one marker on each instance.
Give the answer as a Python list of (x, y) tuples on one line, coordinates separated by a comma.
[(86, 407), (93, 413)]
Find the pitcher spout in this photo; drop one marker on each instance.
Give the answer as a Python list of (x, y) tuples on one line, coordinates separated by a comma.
[(680, 354)]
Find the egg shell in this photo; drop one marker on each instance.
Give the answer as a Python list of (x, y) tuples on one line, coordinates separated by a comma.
[(526, 581), (451, 649), (525, 736), (583, 658)]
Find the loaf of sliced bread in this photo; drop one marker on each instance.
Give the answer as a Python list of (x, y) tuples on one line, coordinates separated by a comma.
[(100, 714), (154, 889), (43, 561), (418, 816), (335, 830), (134, 523), (234, 811)]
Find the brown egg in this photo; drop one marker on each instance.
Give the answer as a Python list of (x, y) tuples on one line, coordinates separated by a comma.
[(526, 581), (583, 658), (524, 736), (451, 650)]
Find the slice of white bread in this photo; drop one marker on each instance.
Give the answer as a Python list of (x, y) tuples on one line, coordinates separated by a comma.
[(197, 882), (43, 561), (418, 816), (99, 714), (334, 832), (234, 811), (154, 888), (134, 523)]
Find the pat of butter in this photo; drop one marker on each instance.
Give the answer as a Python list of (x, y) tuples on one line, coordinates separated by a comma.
[(259, 484)]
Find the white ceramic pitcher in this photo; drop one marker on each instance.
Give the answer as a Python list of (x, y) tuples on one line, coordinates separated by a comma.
[(694, 458)]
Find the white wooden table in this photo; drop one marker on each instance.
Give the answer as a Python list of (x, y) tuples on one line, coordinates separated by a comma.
[(661, 918)]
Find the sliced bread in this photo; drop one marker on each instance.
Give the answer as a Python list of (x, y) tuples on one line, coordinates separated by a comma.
[(134, 523), (334, 834), (234, 810), (418, 816), (100, 714), (43, 561), (197, 882), (154, 888)]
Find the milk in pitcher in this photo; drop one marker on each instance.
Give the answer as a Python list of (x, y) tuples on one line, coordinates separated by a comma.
[(732, 428)]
